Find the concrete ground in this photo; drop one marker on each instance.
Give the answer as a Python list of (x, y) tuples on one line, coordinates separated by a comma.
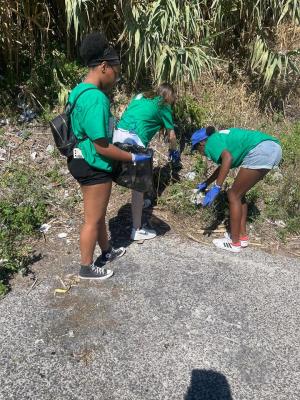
[(177, 321)]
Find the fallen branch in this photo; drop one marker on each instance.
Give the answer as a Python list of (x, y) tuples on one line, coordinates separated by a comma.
[(194, 239), (32, 286)]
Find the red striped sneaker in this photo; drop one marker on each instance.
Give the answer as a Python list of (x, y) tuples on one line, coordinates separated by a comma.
[(244, 239), (226, 244)]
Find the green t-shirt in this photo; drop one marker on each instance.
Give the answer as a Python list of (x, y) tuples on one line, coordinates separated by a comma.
[(145, 117), (91, 117), (238, 142)]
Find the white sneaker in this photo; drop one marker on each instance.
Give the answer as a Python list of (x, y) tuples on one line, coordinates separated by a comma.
[(244, 243), (142, 234), (226, 244)]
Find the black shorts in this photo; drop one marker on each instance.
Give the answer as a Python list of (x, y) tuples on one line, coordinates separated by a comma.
[(85, 174)]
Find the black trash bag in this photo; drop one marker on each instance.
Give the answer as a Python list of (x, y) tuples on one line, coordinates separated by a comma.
[(138, 177)]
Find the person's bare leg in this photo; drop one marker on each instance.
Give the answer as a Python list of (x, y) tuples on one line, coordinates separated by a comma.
[(137, 202), (243, 227), (244, 181), (95, 198)]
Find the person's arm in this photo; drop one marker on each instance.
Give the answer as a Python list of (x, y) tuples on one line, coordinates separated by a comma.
[(224, 168), (172, 139), (213, 177), (220, 175), (110, 151)]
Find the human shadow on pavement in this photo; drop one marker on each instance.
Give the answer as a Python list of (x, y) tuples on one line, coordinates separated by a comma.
[(208, 385), (120, 226)]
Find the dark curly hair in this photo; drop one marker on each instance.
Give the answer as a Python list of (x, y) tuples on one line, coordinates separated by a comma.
[(95, 49)]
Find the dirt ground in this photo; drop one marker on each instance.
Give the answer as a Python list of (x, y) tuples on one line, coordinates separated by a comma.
[(34, 147)]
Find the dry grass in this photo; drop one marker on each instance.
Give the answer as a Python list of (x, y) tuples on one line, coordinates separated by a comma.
[(227, 105), (287, 37)]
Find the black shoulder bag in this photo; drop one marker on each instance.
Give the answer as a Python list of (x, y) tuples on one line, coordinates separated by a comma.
[(62, 131)]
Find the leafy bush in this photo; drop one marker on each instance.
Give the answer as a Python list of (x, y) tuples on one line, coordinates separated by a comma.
[(51, 80), (189, 115), (291, 146), (23, 208), (174, 40)]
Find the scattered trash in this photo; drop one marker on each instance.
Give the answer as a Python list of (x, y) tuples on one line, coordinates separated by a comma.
[(191, 175), (61, 281), (62, 291), (280, 224), (147, 203), (44, 228), (33, 155), (50, 149), (4, 121), (71, 334), (70, 281), (2, 154), (62, 235), (27, 116), (23, 134), (197, 197)]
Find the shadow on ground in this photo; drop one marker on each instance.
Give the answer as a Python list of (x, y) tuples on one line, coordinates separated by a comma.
[(208, 385), (163, 176), (219, 213), (120, 226)]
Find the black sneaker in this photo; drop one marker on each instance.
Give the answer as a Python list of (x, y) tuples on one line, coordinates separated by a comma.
[(110, 256), (95, 273)]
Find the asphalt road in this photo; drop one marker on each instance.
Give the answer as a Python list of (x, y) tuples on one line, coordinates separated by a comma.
[(177, 321)]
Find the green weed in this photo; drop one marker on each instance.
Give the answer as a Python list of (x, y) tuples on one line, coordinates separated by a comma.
[(189, 115), (55, 176), (178, 198), (23, 208), (291, 146), (200, 166)]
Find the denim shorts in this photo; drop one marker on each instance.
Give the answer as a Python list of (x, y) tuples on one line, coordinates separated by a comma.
[(265, 155)]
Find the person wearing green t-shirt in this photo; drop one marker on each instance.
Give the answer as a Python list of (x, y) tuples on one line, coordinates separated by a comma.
[(91, 163), (147, 114), (255, 153)]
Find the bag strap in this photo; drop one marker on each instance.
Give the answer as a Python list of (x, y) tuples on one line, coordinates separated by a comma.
[(75, 101), (73, 106)]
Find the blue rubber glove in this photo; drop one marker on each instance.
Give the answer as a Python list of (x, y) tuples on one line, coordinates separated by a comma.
[(138, 158), (174, 156), (211, 195), (202, 186)]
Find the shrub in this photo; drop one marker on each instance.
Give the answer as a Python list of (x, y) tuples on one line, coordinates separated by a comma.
[(23, 208)]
